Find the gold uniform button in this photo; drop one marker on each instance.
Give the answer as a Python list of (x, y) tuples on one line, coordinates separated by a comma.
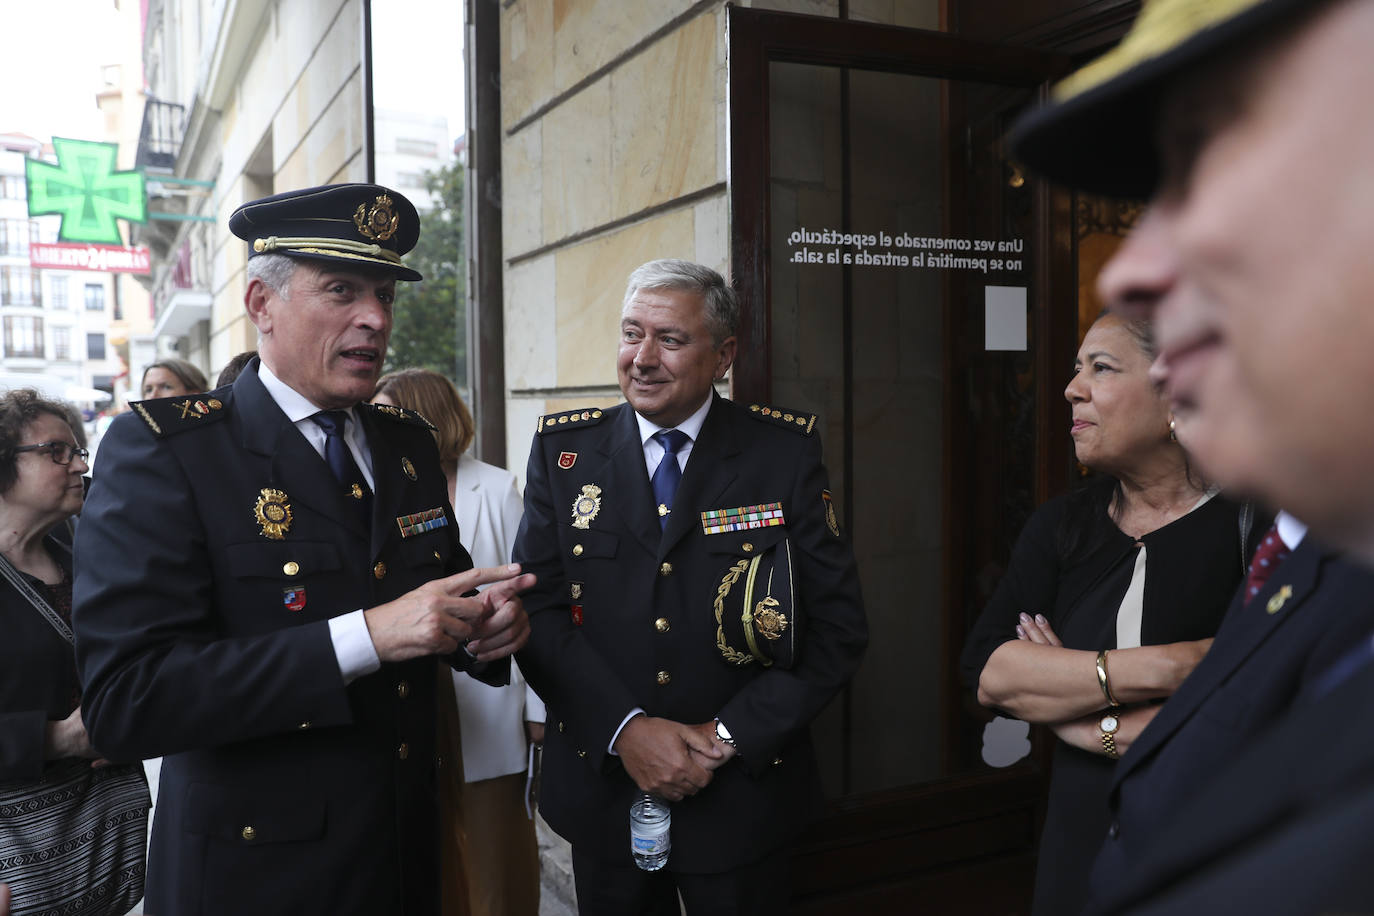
[(248, 833), (666, 569), (664, 678), (291, 568), (662, 625), (747, 547), (379, 571), (437, 557), (577, 550), (403, 689), (403, 751)]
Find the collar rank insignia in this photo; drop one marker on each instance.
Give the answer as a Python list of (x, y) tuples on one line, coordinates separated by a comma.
[(764, 515), (273, 512), (586, 506), (421, 522)]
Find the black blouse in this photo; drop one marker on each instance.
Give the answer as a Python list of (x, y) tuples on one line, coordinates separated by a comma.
[(1073, 565), (39, 682)]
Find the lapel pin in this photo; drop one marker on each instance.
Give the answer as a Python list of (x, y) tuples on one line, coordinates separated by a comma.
[(408, 468), (1280, 598)]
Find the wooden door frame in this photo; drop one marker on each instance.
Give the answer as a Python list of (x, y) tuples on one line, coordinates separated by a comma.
[(836, 866)]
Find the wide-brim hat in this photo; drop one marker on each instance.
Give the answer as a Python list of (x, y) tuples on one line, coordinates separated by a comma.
[(363, 225), (1097, 134), (757, 614)]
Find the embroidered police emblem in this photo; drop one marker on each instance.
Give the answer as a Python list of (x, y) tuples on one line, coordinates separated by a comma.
[(586, 506), (831, 521), (273, 513), (566, 460)]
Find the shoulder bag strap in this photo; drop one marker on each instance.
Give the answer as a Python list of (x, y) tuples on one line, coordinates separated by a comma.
[(21, 584)]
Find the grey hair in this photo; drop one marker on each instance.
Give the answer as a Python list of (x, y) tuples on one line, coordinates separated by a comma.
[(722, 306), (275, 270)]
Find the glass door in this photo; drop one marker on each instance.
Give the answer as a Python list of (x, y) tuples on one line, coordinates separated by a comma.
[(902, 279)]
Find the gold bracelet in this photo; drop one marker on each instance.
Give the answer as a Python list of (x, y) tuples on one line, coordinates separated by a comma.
[(1103, 681)]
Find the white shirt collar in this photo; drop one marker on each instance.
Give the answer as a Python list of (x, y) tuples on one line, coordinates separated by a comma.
[(691, 426), (295, 405), (1290, 529)]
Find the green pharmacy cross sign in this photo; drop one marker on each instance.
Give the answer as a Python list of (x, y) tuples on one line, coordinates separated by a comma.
[(87, 191)]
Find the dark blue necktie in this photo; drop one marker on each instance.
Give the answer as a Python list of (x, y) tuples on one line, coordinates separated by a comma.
[(667, 475), (341, 462)]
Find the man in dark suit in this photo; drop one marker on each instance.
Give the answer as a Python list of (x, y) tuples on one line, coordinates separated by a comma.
[(655, 681), (1273, 646), (1235, 120), (267, 574)]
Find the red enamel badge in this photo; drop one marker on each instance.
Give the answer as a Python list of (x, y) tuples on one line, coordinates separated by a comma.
[(567, 460), (293, 599), (577, 614)]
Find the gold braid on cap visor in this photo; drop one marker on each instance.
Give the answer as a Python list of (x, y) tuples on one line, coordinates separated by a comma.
[(340, 247), (1162, 26)]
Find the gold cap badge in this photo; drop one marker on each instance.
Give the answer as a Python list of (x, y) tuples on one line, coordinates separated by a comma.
[(378, 223)]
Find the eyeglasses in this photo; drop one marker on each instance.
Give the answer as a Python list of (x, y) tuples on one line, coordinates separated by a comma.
[(60, 452)]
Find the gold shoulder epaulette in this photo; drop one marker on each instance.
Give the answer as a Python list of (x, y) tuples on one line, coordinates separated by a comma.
[(401, 414), (550, 422), (803, 423), (166, 416)]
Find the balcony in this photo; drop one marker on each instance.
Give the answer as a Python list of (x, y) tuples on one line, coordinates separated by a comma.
[(159, 141)]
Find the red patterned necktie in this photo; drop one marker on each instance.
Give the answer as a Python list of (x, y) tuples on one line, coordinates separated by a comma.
[(1271, 552)]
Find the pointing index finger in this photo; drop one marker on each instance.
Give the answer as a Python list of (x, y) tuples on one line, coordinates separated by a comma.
[(466, 581)]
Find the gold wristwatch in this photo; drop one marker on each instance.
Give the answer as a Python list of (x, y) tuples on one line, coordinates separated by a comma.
[(1109, 724)]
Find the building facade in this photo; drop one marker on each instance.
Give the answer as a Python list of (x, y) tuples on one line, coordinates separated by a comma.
[(246, 99)]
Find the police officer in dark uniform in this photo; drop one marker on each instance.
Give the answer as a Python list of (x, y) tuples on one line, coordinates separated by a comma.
[(267, 574), (696, 608)]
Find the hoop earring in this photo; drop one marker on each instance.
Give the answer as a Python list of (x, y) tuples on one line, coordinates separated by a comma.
[(1173, 430)]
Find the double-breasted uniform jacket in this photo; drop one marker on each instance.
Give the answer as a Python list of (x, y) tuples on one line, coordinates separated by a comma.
[(1267, 656), (623, 616), (214, 547)]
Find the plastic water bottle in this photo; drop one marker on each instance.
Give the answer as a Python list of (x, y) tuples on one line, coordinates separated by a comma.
[(650, 842)]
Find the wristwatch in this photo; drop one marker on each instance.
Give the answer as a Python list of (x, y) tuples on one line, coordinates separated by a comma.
[(723, 734), (1109, 724)]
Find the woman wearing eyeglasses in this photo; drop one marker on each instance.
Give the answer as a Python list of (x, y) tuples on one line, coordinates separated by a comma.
[(41, 730)]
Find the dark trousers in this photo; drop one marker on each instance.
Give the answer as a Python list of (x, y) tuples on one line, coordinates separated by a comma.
[(622, 889)]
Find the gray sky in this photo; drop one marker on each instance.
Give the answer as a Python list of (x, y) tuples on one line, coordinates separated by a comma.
[(51, 66), (52, 60)]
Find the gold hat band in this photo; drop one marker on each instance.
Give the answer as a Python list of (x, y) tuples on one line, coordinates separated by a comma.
[(1162, 26), (359, 250)]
